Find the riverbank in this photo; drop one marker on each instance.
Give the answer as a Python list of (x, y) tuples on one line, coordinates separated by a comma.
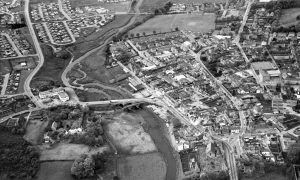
[(158, 131)]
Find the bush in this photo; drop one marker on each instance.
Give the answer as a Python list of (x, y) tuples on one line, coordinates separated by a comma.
[(83, 167)]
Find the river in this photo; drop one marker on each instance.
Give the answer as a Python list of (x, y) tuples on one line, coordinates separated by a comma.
[(157, 129)]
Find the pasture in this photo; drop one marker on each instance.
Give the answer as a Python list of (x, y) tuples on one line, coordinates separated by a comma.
[(147, 167), (187, 22)]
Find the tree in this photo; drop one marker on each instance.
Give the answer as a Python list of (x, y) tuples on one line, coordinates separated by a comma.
[(144, 34), (154, 32), (176, 29), (132, 35), (94, 128), (294, 154), (83, 167), (298, 17), (137, 34)]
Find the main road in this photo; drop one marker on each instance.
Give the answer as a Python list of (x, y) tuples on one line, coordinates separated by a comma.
[(38, 49)]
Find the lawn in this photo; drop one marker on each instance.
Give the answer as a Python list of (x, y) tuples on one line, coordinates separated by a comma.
[(188, 22), (288, 17), (54, 65), (151, 5), (146, 167), (35, 131)]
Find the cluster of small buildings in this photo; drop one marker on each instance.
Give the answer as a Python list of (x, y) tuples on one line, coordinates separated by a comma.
[(12, 41), (8, 19), (21, 42), (13, 83), (6, 49), (14, 105), (46, 12), (196, 7), (61, 23), (58, 32), (41, 32), (112, 1), (78, 24), (50, 95)]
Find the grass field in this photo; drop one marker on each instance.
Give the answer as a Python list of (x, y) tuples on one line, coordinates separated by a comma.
[(24, 75), (151, 5), (128, 136), (188, 22), (52, 68), (60, 170), (288, 17), (66, 151), (35, 131), (94, 67), (270, 176), (144, 167)]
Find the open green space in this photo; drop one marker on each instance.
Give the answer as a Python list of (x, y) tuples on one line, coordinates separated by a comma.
[(35, 131), (24, 75), (59, 170), (5, 67), (269, 176), (288, 17), (151, 5), (50, 73), (187, 22), (94, 67), (97, 38), (147, 167)]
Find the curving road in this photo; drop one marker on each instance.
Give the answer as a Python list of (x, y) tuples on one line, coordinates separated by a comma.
[(73, 63), (38, 49)]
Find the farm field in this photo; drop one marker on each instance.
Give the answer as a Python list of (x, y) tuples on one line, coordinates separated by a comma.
[(151, 5), (288, 17), (147, 167), (187, 22)]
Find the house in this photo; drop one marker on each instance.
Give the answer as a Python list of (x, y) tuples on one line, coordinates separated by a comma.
[(63, 96)]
